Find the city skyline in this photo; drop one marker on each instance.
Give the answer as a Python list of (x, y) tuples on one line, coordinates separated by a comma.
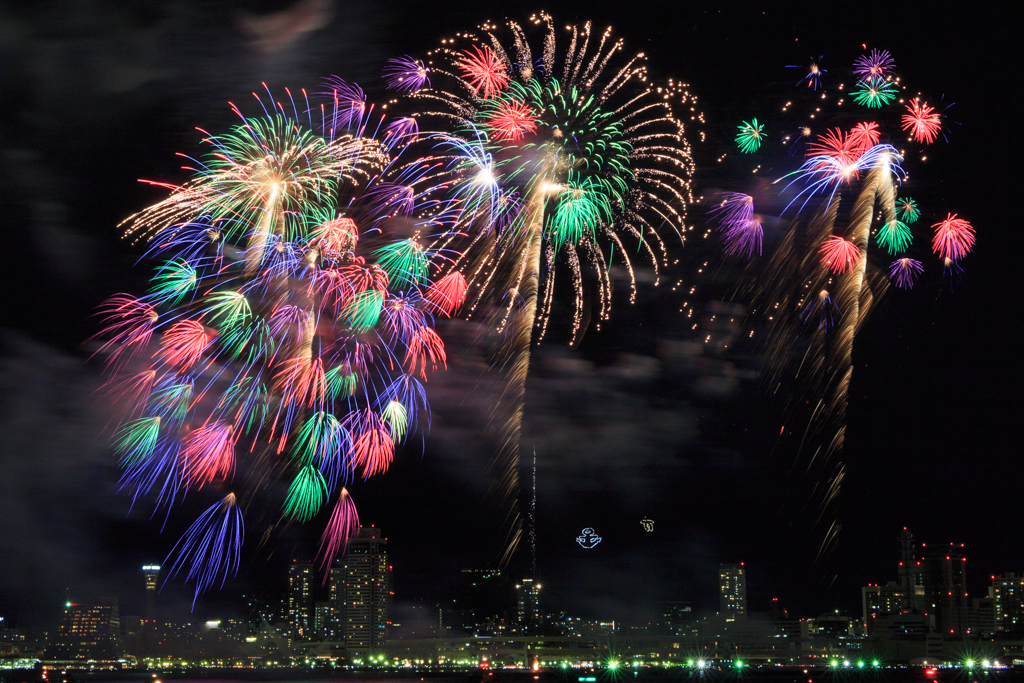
[(675, 454)]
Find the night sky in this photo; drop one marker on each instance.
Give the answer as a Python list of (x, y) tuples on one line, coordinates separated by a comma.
[(629, 425)]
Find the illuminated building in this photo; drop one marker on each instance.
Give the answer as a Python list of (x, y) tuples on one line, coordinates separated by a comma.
[(365, 592), (528, 604), (151, 572), (1007, 593), (911, 576), (880, 600), (677, 617), (89, 630), (732, 591), (945, 588), (299, 605)]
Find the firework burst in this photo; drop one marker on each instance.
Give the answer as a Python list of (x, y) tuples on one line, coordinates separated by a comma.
[(564, 157), (302, 354)]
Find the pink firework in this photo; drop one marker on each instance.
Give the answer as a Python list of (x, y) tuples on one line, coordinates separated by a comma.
[(128, 329), (342, 526), (876, 64), (512, 121), (184, 342), (448, 293), (209, 453), (738, 224), (486, 73), (922, 121), (839, 255), (904, 271), (954, 238)]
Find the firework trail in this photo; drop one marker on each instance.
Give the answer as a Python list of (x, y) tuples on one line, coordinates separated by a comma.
[(821, 280), (288, 324), (564, 159)]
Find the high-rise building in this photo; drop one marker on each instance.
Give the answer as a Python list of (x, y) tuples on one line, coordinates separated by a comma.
[(151, 572), (878, 600), (1007, 593), (945, 588), (528, 604), (299, 601), (911, 576), (732, 591), (362, 586), (89, 631)]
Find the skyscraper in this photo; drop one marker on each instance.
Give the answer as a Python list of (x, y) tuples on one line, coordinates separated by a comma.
[(528, 604), (732, 591), (945, 588), (1007, 592), (151, 572), (299, 602), (366, 591), (911, 576)]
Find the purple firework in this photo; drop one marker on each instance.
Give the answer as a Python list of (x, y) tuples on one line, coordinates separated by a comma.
[(874, 65), (406, 75), (349, 102), (904, 271), (402, 129), (739, 226)]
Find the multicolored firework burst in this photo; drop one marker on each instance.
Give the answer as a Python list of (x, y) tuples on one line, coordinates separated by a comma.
[(823, 279), (814, 73), (564, 157), (289, 325)]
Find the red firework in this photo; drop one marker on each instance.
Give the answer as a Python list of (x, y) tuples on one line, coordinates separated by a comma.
[(484, 71), (425, 348), (183, 344), (448, 293), (302, 381), (922, 121), (511, 121), (339, 235), (373, 450), (864, 136), (954, 238), (842, 148), (839, 255)]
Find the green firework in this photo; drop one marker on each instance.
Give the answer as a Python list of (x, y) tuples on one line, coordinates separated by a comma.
[(306, 494), (362, 311), (894, 236), (397, 417), (405, 262), (908, 210), (875, 92), (174, 281), (750, 136)]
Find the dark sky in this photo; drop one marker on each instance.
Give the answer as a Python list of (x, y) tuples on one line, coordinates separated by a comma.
[(97, 95)]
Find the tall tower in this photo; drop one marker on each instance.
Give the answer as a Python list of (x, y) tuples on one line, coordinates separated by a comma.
[(151, 572), (367, 592), (945, 588), (528, 604), (300, 599), (911, 576), (732, 591)]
